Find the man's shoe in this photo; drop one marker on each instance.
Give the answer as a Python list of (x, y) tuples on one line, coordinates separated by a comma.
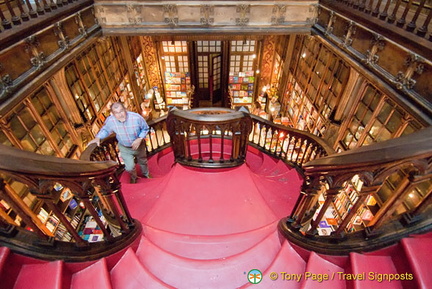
[(148, 176)]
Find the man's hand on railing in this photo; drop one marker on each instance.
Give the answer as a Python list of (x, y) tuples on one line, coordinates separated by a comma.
[(95, 140)]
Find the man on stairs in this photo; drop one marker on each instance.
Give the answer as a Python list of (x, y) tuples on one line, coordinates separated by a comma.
[(130, 129)]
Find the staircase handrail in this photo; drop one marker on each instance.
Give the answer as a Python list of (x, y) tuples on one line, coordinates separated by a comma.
[(293, 146), (69, 195), (329, 180)]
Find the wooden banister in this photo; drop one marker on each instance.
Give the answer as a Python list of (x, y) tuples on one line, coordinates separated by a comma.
[(70, 195), (348, 180)]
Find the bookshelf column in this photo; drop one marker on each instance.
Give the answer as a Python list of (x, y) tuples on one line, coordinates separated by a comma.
[(330, 193)]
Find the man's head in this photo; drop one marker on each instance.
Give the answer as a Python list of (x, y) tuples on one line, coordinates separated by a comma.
[(119, 111)]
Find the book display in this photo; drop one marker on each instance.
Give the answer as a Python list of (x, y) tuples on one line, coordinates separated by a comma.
[(69, 206), (241, 87), (343, 204), (177, 85), (90, 231)]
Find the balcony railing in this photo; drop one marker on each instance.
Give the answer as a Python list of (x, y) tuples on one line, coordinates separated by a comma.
[(344, 188), (412, 15)]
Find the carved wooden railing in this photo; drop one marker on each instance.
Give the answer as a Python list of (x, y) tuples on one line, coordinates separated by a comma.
[(401, 20), (294, 146), (325, 196), (65, 220), (209, 137), (17, 15)]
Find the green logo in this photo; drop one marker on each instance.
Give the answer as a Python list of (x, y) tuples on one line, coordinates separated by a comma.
[(254, 276)]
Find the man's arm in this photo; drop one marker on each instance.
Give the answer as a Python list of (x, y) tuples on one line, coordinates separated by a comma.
[(104, 132)]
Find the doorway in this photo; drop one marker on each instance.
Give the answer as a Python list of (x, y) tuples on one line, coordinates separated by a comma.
[(208, 90)]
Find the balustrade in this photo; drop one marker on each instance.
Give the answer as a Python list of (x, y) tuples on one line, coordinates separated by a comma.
[(413, 16), (75, 204), (341, 193)]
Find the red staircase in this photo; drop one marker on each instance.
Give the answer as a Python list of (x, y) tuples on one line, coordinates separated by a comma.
[(207, 228)]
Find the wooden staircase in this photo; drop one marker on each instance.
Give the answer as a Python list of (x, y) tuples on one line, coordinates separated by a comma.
[(177, 252)]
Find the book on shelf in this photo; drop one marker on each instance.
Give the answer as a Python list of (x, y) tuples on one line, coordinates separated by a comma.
[(324, 231), (367, 215)]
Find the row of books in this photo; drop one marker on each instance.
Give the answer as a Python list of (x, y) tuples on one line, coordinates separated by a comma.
[(239, 86), (236, 79)]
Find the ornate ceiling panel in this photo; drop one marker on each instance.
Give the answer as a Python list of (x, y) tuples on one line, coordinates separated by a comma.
[(181, 17)]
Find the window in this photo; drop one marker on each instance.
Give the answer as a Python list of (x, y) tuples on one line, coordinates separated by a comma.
[(175, 56)]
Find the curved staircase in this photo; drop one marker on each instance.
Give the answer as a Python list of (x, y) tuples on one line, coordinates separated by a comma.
[(208, 228)]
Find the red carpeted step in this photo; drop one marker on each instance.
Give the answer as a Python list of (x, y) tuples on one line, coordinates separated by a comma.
[(96, 276), (216, 273), (279, 194), (209, 202), (254, 158), (140, 197), (369, 271), (322, 274), (207, 247), (286, 271), (419, 257), (35, 276), (129, 273), (4, 254), (267, 165), (161, 163)]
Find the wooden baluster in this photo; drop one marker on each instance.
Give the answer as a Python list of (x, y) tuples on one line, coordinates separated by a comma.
[(330, 194), (368, 9), (116, 191), (15, 19), (32, 12), (376, 12), (5, 22), (424, 28), (211, 145), (24, 16), (392, 17), (39, 8), (187, 147), (412, 25), (53, 5), (199, 130), (401, 22), (362, 5), (62, 218), (46, 6), (90, 208), (384, 14), (222, 146)]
